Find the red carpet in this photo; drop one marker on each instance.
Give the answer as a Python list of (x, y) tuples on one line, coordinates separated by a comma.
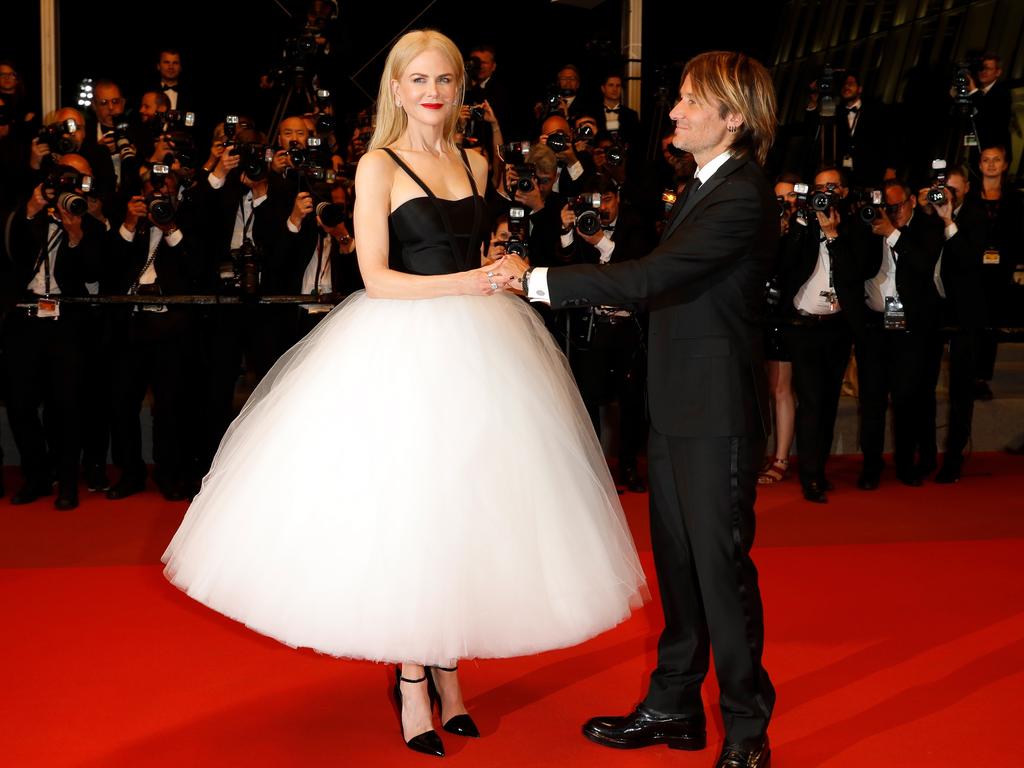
[(895, 637)]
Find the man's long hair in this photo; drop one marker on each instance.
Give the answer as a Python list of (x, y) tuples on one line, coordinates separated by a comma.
[(740, 85)]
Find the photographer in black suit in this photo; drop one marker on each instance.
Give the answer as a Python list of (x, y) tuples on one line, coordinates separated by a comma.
[(606, 347), (54, 251), (709, 409), (959, 281), (901, 315), (821, 289), (614, 117), (991, 98), (154, 252)]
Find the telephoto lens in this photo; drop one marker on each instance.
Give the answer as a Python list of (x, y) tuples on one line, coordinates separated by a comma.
[(72, 203), (588, 218), (160, 208), (558, 141), (331, 214)]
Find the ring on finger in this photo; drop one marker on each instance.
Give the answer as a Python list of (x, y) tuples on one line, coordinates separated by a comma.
[(494, 286)]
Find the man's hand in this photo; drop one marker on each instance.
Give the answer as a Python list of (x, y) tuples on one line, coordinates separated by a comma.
[(72, 226), (829, 224), (568, 218), (277, 165), (38, 153), (107, 142), (512, 268), (95, 208), (36, 203), (595, 238), (346, 243), (301, 209), (945, 210), (228, 162), (883, 224), (135, 211)]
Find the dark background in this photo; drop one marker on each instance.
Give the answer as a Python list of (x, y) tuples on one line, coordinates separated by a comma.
[(226, 46)]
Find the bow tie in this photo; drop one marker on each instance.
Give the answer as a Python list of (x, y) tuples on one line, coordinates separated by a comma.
[(608, 228), (853, 109), (611, 110), (165, 87)]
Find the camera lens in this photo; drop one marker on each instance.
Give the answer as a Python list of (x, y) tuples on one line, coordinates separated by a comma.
[(72, 203), (161, 210), (331, 214), (558, 142), (588, 222)]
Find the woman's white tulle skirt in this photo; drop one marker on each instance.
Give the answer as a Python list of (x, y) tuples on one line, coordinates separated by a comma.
[(413, 481)]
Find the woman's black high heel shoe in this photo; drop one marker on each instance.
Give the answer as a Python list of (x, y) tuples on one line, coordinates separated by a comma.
[(460, 725), (428, 742)]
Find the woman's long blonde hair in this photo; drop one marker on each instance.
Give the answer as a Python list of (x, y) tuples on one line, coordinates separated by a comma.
[(391, 119)]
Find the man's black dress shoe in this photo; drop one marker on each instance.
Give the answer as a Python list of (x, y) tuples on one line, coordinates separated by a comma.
[(32, 491), (739, 756), (869, 479), (631, 479), (950, 473), (125, 487), (67, 498), (644, 728), (815, 491)]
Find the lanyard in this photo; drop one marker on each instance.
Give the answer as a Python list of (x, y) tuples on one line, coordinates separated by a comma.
[(44, 259)]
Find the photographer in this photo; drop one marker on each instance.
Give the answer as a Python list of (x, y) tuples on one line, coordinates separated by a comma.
[(958, 280), (58, 139), (319, 251), (900, 316), (821, 292), (55, 251), (615, 118), (992, 102), (574, 160), (606, 343), (543, 206), (153, 253), (482, 85)]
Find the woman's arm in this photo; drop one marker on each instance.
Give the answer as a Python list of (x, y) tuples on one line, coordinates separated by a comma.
[(374, 178)]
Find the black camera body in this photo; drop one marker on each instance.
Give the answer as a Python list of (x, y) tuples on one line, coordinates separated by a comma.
[(559, 141), (615, 155), (526, 174), (962, 84), (59, 136), (253, 159), (61, 190), (242, 274), (871, 210), (472, 69), (159, 203), (518, 232), (587, 208), (123, 141), (330, 214), (325, 122), (937, 193), (824, 200)]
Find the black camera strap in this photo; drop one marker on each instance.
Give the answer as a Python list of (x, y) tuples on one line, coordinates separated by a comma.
[(43, 260), (247, 221), (149, 263)]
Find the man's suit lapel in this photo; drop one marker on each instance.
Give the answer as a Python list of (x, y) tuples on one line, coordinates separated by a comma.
[(683, 209)]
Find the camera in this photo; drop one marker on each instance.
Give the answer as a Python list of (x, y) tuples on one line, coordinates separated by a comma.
[(324, 121), (824, 200), (122, 141), (253, 159), (526, 174), (559, 141), (783, 209), (588, 212), (365, 124), (159, 204), (331, 214), (937, 194), (230, 129), (472, 69), (173, 120), (962, 84), (60, 189), (514, 152), (585, 132), (59, 136), (242, 273), (871, 211), (553, 99), (828, 82), (615, 155), (476, 111), (308, 155), (517, 232)]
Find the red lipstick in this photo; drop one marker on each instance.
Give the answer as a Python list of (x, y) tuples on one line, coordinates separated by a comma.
[(432, 106)]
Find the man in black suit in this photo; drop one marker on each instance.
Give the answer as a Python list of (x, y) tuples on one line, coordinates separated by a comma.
[(606, 343), (615, 118), (821, 296), (959, 281), (709, 409), (993, 104), (900, 316)]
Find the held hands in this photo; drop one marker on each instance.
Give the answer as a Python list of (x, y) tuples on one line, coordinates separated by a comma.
[(487, 280), (511, 269)]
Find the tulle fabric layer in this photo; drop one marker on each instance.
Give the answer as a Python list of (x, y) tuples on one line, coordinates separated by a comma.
[(413, 481)]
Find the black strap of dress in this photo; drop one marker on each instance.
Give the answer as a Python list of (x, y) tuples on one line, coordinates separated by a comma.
[(440, 208)]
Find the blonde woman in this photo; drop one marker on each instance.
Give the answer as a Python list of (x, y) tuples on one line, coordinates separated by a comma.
[(371, 501)]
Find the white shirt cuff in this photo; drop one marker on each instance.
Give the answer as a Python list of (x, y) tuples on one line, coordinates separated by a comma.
[(127, 234), (567, 239), (892, 238), (173, 238), (605, 246), (539, 286), (292, 228), (951, 230), (575, 170), (216, 181)]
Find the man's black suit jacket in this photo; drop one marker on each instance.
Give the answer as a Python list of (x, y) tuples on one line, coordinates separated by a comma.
[(704, 285), (962, 268), (992, 119), (72, 268), (629, 125)]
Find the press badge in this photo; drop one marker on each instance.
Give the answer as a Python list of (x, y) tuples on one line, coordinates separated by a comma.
[(991, 256), (895, 319), (830, 299), (847, 161), (47, 308)]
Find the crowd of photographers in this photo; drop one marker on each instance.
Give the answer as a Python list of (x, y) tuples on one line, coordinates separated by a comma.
[(184, 233)]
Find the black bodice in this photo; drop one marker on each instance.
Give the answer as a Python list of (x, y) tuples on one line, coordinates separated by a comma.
[(433, 236)]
